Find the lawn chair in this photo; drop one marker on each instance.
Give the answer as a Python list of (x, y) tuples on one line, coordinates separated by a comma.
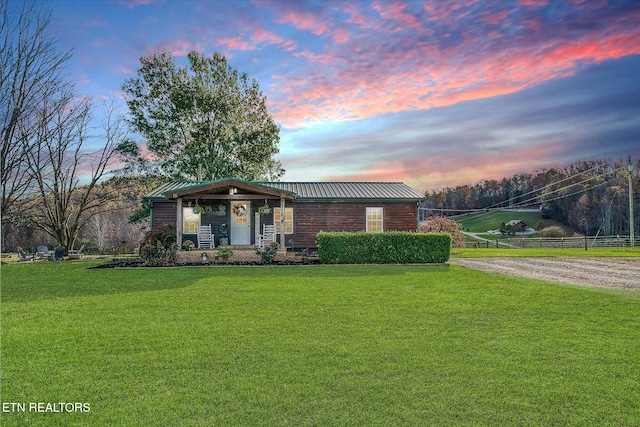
[(43, 252), (205, 238), (267, 237), (76, 253), (23, 256), (58, 253)]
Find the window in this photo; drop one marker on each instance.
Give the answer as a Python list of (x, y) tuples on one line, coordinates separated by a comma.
[(374, 220), (288, 220), (190, 221)]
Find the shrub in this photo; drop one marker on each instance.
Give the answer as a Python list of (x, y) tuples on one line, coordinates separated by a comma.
[(440, 224), (268, 253), (224, 253), (159, 256), (553, 231), (383, 248), (159, 246), (165, 234)]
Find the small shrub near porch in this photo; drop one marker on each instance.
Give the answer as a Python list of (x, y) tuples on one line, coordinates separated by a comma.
[(395, 247)]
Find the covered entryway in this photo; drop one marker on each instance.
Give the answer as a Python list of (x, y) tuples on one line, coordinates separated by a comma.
[(228, 205), (240, 233)]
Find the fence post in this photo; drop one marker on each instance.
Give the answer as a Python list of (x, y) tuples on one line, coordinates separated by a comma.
[(585, 243), (496, 243)]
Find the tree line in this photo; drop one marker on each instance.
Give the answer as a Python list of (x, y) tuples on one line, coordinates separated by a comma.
[(590, 196)]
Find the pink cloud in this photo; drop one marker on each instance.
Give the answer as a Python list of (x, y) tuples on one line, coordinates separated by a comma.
[(262, 36), (496, 17), (316, 24), (535, 3), (235, 43), (256, 38), (395, 11), (178, 47), (303, 21)]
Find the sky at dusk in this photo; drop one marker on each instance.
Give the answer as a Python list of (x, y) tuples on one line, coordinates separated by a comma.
[(433, 93)]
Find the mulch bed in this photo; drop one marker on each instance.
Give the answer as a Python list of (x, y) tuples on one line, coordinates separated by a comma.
[(136, 262)]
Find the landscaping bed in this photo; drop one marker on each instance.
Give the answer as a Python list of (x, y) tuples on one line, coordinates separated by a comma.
[(137, 262)]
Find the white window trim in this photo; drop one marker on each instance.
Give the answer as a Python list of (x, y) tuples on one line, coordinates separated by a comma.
[(192, 215), (381, 219), (276, 221)]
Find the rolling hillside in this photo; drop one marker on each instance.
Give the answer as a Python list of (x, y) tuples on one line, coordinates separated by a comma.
[(483, 222)]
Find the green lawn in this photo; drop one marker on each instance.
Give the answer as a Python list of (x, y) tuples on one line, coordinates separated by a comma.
[(317, 345)]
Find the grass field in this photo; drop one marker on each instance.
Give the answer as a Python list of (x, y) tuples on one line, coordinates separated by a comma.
[(481, 223), (318, 345)]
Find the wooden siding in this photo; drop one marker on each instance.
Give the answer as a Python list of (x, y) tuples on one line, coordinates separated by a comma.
[(311, 217), (163, 213)]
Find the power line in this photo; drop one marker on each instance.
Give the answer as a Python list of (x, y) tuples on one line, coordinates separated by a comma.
[(496, 206)]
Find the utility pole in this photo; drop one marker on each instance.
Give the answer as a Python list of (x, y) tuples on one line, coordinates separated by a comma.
[(631, 218)]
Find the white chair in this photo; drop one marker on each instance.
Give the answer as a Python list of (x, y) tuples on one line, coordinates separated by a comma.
[(205, 238), (76, 253), (267, 237)]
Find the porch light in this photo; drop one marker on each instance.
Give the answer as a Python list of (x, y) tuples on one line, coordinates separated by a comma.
[(232, 191)]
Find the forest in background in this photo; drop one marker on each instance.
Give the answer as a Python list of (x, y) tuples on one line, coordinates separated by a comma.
[(589, 196)]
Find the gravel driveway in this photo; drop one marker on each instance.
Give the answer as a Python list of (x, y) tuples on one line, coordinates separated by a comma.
[(621, 273)]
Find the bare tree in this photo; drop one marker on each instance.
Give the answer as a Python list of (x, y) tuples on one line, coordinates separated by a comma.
[(66, 167), (98, 230), (31, 71)]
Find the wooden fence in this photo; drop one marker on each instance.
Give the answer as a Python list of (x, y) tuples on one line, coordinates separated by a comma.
[(585, 242)]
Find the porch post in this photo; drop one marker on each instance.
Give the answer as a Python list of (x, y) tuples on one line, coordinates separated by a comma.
[(283, 247), (179, 221)]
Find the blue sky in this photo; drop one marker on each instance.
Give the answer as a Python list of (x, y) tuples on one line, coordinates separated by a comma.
[(433, 93)]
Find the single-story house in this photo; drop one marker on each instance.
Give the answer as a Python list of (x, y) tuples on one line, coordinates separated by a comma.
[(237, 209)]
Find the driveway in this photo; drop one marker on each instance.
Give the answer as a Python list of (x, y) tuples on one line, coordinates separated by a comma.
[(620, 273)]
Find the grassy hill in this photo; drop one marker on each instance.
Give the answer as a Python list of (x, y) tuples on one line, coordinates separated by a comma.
[(483, 222)]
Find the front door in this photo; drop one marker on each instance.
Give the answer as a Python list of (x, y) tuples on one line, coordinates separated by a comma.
[(240, 223)]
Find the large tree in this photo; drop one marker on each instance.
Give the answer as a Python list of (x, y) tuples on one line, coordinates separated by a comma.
[(205, 121)]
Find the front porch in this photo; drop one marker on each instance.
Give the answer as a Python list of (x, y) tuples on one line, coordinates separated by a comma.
[(235, 211)]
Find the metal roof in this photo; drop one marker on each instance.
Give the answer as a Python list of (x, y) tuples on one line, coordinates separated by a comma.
[(311, 190), (158, 193), (348, 190)]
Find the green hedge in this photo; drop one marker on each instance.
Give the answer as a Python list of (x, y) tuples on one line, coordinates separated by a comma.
[(383, 248)]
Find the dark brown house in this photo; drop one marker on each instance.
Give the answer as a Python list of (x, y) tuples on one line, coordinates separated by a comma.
[(237, 209)]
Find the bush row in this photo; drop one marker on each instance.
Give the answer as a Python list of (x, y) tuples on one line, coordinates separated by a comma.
[(383, 248)]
